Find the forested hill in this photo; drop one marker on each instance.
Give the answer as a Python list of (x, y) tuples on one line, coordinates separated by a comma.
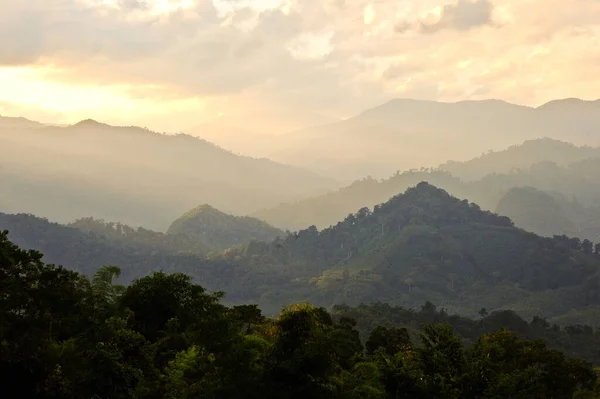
[(423, 245), (327, 209), (136, 176), (546, 165), (88, 244), (427, 245), (220, 230)]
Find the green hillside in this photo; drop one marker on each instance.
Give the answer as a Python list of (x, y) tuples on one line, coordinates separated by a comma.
[(220, 230), (327, 209), (427, 245), (88, 244), (556, 168), (423, 245)]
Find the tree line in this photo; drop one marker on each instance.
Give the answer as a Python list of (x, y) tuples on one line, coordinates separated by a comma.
[(63, 335)]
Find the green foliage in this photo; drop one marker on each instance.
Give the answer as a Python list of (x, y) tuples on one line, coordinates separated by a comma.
[(140, 239), (166, 337), (89, 244), (157, 299), (427, 245), (220, 230), (378, 322), (423, 245), (391, 340)]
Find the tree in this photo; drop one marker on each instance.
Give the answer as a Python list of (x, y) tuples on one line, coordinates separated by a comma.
[(391, 340), (64, 336), (156, 299), (307, 352), (441, 362), (247, 316), (40, 304), (502, 365), (104, 292)]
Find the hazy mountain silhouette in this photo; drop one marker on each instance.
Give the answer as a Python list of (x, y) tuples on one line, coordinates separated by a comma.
[(519, 157), (548, 165), (535, 210), (9, 122), (403, 134), (550, 213), (135, 175)]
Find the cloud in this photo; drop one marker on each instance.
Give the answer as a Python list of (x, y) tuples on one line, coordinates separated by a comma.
[(329, 56), (463, 15)]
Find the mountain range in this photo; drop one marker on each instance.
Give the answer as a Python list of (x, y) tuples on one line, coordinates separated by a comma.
[(567, 172), (427, 234), (404, 134), (423, 245), (144, 178), (134, 175)]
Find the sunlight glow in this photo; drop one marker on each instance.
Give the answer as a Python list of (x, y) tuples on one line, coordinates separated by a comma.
[(26, 88), (369, 14)]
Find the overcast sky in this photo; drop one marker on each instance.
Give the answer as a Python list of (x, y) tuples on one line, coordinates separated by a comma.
[(172, 64)]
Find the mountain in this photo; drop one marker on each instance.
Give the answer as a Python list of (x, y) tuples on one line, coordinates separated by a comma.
[(136, 176), (327, 209), (520, 157), (8, 122), (427, 245), (404, 134), (550, 214), (88, 244), (544, 164), (536, 211), (220, 230), (423, 245)]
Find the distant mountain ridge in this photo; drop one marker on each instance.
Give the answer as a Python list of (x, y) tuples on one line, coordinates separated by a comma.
[(403, 134), (521, 156), (545, 164), (10, 122), (135, 175), (550, 213)]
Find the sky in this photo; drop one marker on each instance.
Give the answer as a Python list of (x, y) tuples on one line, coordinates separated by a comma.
[(171, 65)]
